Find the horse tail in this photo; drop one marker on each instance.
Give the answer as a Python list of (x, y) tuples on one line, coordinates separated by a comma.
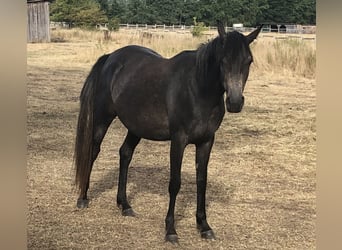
[(83, 154)]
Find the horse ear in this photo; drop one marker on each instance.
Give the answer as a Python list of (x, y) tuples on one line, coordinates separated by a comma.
[(221, 30), (250, 37)]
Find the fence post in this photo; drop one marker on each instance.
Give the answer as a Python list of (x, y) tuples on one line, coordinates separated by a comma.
[(106, 35)]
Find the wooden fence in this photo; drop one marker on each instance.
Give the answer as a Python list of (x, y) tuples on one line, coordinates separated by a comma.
[(174, 28), (291, 29)]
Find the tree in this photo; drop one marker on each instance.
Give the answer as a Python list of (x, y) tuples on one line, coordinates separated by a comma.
[(89, 14), (62, 11), (85, 13), (306, 12), (137, 12), (167, 11), (281, 11), (188, 12), (248, 12), (118, 9)]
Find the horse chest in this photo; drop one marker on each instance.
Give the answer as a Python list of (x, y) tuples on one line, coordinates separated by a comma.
[(205, 124)]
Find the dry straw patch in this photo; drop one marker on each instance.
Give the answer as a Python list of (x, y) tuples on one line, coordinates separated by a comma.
[(293, 57), (261, 179)]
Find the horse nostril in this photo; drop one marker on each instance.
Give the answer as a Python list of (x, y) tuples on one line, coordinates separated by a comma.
[(235, 105)]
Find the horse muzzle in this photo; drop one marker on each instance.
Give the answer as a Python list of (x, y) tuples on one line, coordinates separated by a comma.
[(235, 104)]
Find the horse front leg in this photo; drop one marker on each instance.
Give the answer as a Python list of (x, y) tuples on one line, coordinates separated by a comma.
[(176, 156), (202, 158)]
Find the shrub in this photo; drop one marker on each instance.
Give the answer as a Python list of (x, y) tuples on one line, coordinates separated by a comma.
[(114, 24), (198, 28)]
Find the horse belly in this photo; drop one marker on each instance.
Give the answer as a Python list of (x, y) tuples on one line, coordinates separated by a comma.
[(144, 116), (148, 126)]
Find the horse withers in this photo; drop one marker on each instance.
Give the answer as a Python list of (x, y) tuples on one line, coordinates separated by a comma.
[(180, 99)]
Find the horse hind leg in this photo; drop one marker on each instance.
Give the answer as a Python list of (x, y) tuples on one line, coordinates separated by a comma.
[(102, 122), (126, 153)]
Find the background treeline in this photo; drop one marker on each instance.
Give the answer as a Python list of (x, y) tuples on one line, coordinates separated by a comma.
[(248, 12)]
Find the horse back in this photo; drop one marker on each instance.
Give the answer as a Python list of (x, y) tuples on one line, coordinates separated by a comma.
[(138, 79)]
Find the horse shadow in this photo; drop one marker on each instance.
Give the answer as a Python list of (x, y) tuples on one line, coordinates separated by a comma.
[(155, 180)]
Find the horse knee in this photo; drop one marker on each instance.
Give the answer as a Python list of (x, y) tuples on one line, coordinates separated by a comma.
[(100, 132), (125, 152), (174, 186), (97, 140)]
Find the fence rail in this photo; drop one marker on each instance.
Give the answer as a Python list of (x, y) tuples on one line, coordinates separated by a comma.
[(268, 31), (184, 28), (292, 29)]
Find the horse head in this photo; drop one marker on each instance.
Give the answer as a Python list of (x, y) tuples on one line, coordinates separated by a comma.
[(235, 60)]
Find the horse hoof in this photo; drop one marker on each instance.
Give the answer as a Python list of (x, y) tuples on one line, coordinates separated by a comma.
[(172, 238), (208, 235), (82, 203), (128, 212)]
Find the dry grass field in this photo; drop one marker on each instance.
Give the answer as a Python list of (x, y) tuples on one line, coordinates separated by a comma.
[(261, 179)]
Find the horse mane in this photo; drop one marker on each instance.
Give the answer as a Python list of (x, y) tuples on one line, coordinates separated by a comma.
[(206, 55)]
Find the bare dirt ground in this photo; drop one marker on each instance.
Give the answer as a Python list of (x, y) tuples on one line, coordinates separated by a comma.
[(261, 180)]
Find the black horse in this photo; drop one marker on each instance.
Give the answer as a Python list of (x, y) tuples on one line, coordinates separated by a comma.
[(178, 99)]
